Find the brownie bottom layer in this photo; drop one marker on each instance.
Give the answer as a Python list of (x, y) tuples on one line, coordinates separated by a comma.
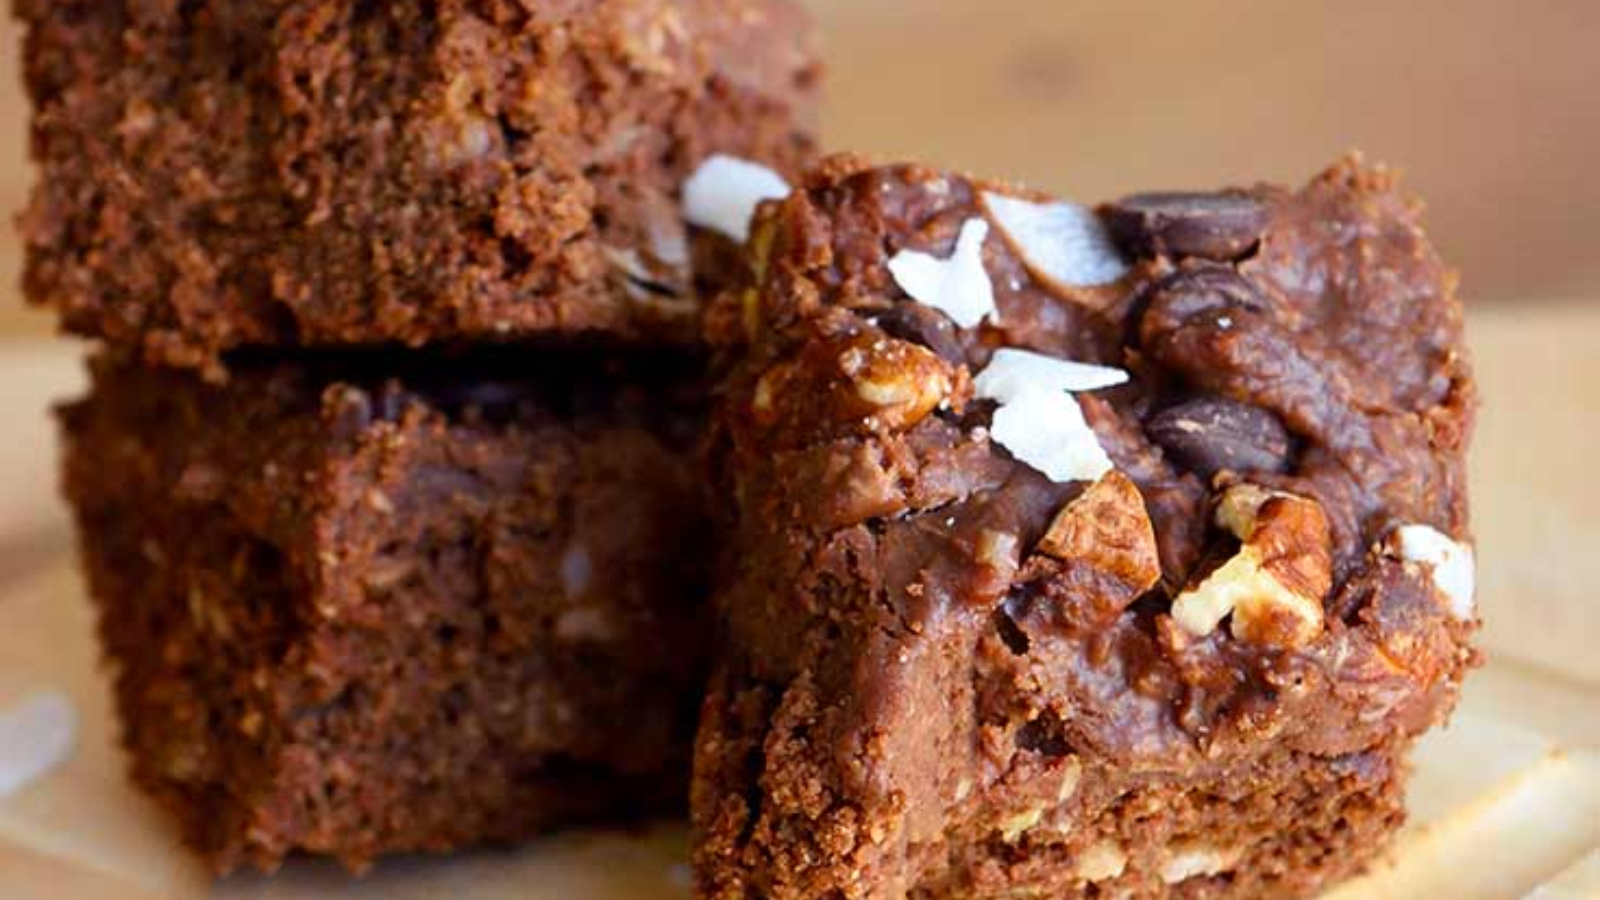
[(356, 617), (1280, 825)]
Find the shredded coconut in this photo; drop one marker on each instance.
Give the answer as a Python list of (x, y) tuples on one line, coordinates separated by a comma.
[(959, 286), (1011, 373), (1451, 563), (1046, 430), (723, 194), (1061, 242)]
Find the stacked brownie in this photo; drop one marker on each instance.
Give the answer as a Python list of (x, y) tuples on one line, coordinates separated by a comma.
[(386, 484), (1072, 552)]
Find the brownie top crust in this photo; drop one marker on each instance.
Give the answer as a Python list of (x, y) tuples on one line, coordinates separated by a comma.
[(1243, 531), (333, 173), (1318, 352)]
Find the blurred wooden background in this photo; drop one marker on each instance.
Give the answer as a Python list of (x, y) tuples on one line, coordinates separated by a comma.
[(1491, 105)]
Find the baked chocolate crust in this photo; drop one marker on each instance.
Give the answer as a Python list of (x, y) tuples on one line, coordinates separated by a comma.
[(946, 675), (331, 172), (361, 609)]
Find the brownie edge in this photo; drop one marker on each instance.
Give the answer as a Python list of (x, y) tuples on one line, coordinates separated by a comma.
[(352, 614), (334, 172)]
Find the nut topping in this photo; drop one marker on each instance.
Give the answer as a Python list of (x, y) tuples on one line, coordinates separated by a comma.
[(1274, 586), (1107, 526), (1097, 558), (903, 382)]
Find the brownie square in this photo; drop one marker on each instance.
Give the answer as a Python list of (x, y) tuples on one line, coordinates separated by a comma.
[(332, 172), (364, 607), (1075, 552)]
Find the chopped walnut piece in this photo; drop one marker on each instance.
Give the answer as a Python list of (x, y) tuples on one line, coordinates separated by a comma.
[(1275, 584), (1239, 506), (1096, 559), (1108, 526), (1101, 862), (900, 381), (1189, 860), (856, 382)]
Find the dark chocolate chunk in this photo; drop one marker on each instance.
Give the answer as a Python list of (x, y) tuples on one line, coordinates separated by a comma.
[(1210, 434), (1191, 292), (1011, 634), (1222, 226), (923, 325)]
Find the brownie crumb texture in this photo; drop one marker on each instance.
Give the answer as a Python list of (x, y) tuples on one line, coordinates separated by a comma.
[(237, 173), (352, 615)]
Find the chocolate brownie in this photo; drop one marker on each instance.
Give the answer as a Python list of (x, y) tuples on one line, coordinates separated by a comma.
[(353, 614), (1076, 552), (334, 172)]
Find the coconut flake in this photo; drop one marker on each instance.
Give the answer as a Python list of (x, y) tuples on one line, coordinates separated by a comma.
[(1060, 242), (1046, 430), (959, 286), (723, 194), (35, 736), (1451, 564), (1012, 372)]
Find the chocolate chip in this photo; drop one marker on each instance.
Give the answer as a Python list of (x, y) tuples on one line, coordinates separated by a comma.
[(1045, 735), (922, 325), (1191, 292), (1222, 226), (1011, 634), (1210, 434)]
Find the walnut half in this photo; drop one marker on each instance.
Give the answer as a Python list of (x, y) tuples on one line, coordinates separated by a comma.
[(1274, 586)]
